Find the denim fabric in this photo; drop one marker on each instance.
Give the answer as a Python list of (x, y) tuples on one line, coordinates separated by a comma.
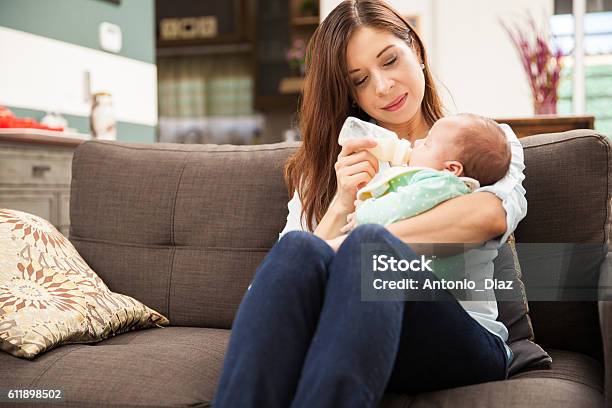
[(302, 336)]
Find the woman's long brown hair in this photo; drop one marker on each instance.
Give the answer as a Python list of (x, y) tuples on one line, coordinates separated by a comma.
[(327, 95)]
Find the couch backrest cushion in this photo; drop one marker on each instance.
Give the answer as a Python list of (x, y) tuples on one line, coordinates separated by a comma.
[(187, 225), (569, 188), (181, 228), (513, 312)]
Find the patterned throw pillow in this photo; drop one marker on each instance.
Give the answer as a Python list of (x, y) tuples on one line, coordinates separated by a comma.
[(49, 296)]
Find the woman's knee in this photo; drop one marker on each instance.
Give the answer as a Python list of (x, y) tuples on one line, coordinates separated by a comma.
[(304, 245), (371, 233), (299, 258), (376, 234)]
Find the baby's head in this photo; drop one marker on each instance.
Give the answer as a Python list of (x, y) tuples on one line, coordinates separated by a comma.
[(467, 145)]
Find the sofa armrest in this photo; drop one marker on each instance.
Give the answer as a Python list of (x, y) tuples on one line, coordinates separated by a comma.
[(605, 322)]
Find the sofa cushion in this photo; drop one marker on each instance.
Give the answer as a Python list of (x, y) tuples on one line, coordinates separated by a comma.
[(192, 359), (574, 380), (49, 296), (169, 366), (568, 183), (195, 258), (513, 311), (180, 227), (570, 366), (540, 392), (569, 191)]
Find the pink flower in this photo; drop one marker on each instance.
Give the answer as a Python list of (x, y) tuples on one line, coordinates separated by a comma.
[(541, 63), (297, 53)]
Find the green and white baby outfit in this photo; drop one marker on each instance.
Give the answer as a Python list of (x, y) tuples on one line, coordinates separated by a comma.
[(402, 192)]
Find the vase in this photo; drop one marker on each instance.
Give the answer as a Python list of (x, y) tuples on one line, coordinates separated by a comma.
[(548, 106), (102, 119)]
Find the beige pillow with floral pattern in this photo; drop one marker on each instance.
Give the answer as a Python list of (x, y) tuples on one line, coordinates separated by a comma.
[(49, 296)]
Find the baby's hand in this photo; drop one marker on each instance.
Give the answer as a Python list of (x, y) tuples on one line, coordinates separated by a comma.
[(350, 219)]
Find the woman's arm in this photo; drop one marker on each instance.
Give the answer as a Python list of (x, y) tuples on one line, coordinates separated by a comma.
[(332, 221), (355, 167), (491, 211), (426, 190), (471, 218), (328, 228)]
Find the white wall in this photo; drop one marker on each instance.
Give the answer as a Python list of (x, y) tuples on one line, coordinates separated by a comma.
[(469, 52), (46, 74), (421, 8)]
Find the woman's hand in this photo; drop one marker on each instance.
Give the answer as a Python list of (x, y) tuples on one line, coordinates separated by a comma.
[(355, 167)]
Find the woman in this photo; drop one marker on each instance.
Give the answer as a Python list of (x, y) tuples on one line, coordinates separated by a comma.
[(302, 336)]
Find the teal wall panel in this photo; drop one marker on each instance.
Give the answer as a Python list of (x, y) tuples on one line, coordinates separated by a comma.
[(77, 22)]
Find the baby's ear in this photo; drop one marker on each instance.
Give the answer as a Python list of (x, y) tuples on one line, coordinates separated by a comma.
[(454, 167)]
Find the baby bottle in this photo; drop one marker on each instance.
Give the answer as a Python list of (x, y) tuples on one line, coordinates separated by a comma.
[(389, 147)]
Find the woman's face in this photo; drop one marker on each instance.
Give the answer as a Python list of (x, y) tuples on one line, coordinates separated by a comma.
[(383, 70)]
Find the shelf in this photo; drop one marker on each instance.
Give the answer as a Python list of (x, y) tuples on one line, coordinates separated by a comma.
[(217, 49), (291, 85), (538, 124), (40, 136), (305, 21), (278, 87)]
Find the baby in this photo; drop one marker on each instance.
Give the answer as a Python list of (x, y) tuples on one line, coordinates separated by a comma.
[(459, 154)]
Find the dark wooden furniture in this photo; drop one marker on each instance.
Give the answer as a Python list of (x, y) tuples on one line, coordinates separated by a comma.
[(278, 23), (262, 29), (547, 124), (193, 23)]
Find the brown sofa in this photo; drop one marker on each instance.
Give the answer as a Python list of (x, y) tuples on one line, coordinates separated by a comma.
[(183, 227)]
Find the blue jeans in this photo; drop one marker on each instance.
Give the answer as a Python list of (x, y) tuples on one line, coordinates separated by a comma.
[(302, 337)]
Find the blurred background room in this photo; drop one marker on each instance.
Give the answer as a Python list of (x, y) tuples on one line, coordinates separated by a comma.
[(202, 71), (205, 71)]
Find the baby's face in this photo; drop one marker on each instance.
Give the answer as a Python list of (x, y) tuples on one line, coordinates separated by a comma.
[(439, 145)]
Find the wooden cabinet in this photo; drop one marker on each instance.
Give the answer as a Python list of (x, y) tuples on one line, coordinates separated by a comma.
[(278, 23), (35, 175), (547, 124), (197, 23)]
